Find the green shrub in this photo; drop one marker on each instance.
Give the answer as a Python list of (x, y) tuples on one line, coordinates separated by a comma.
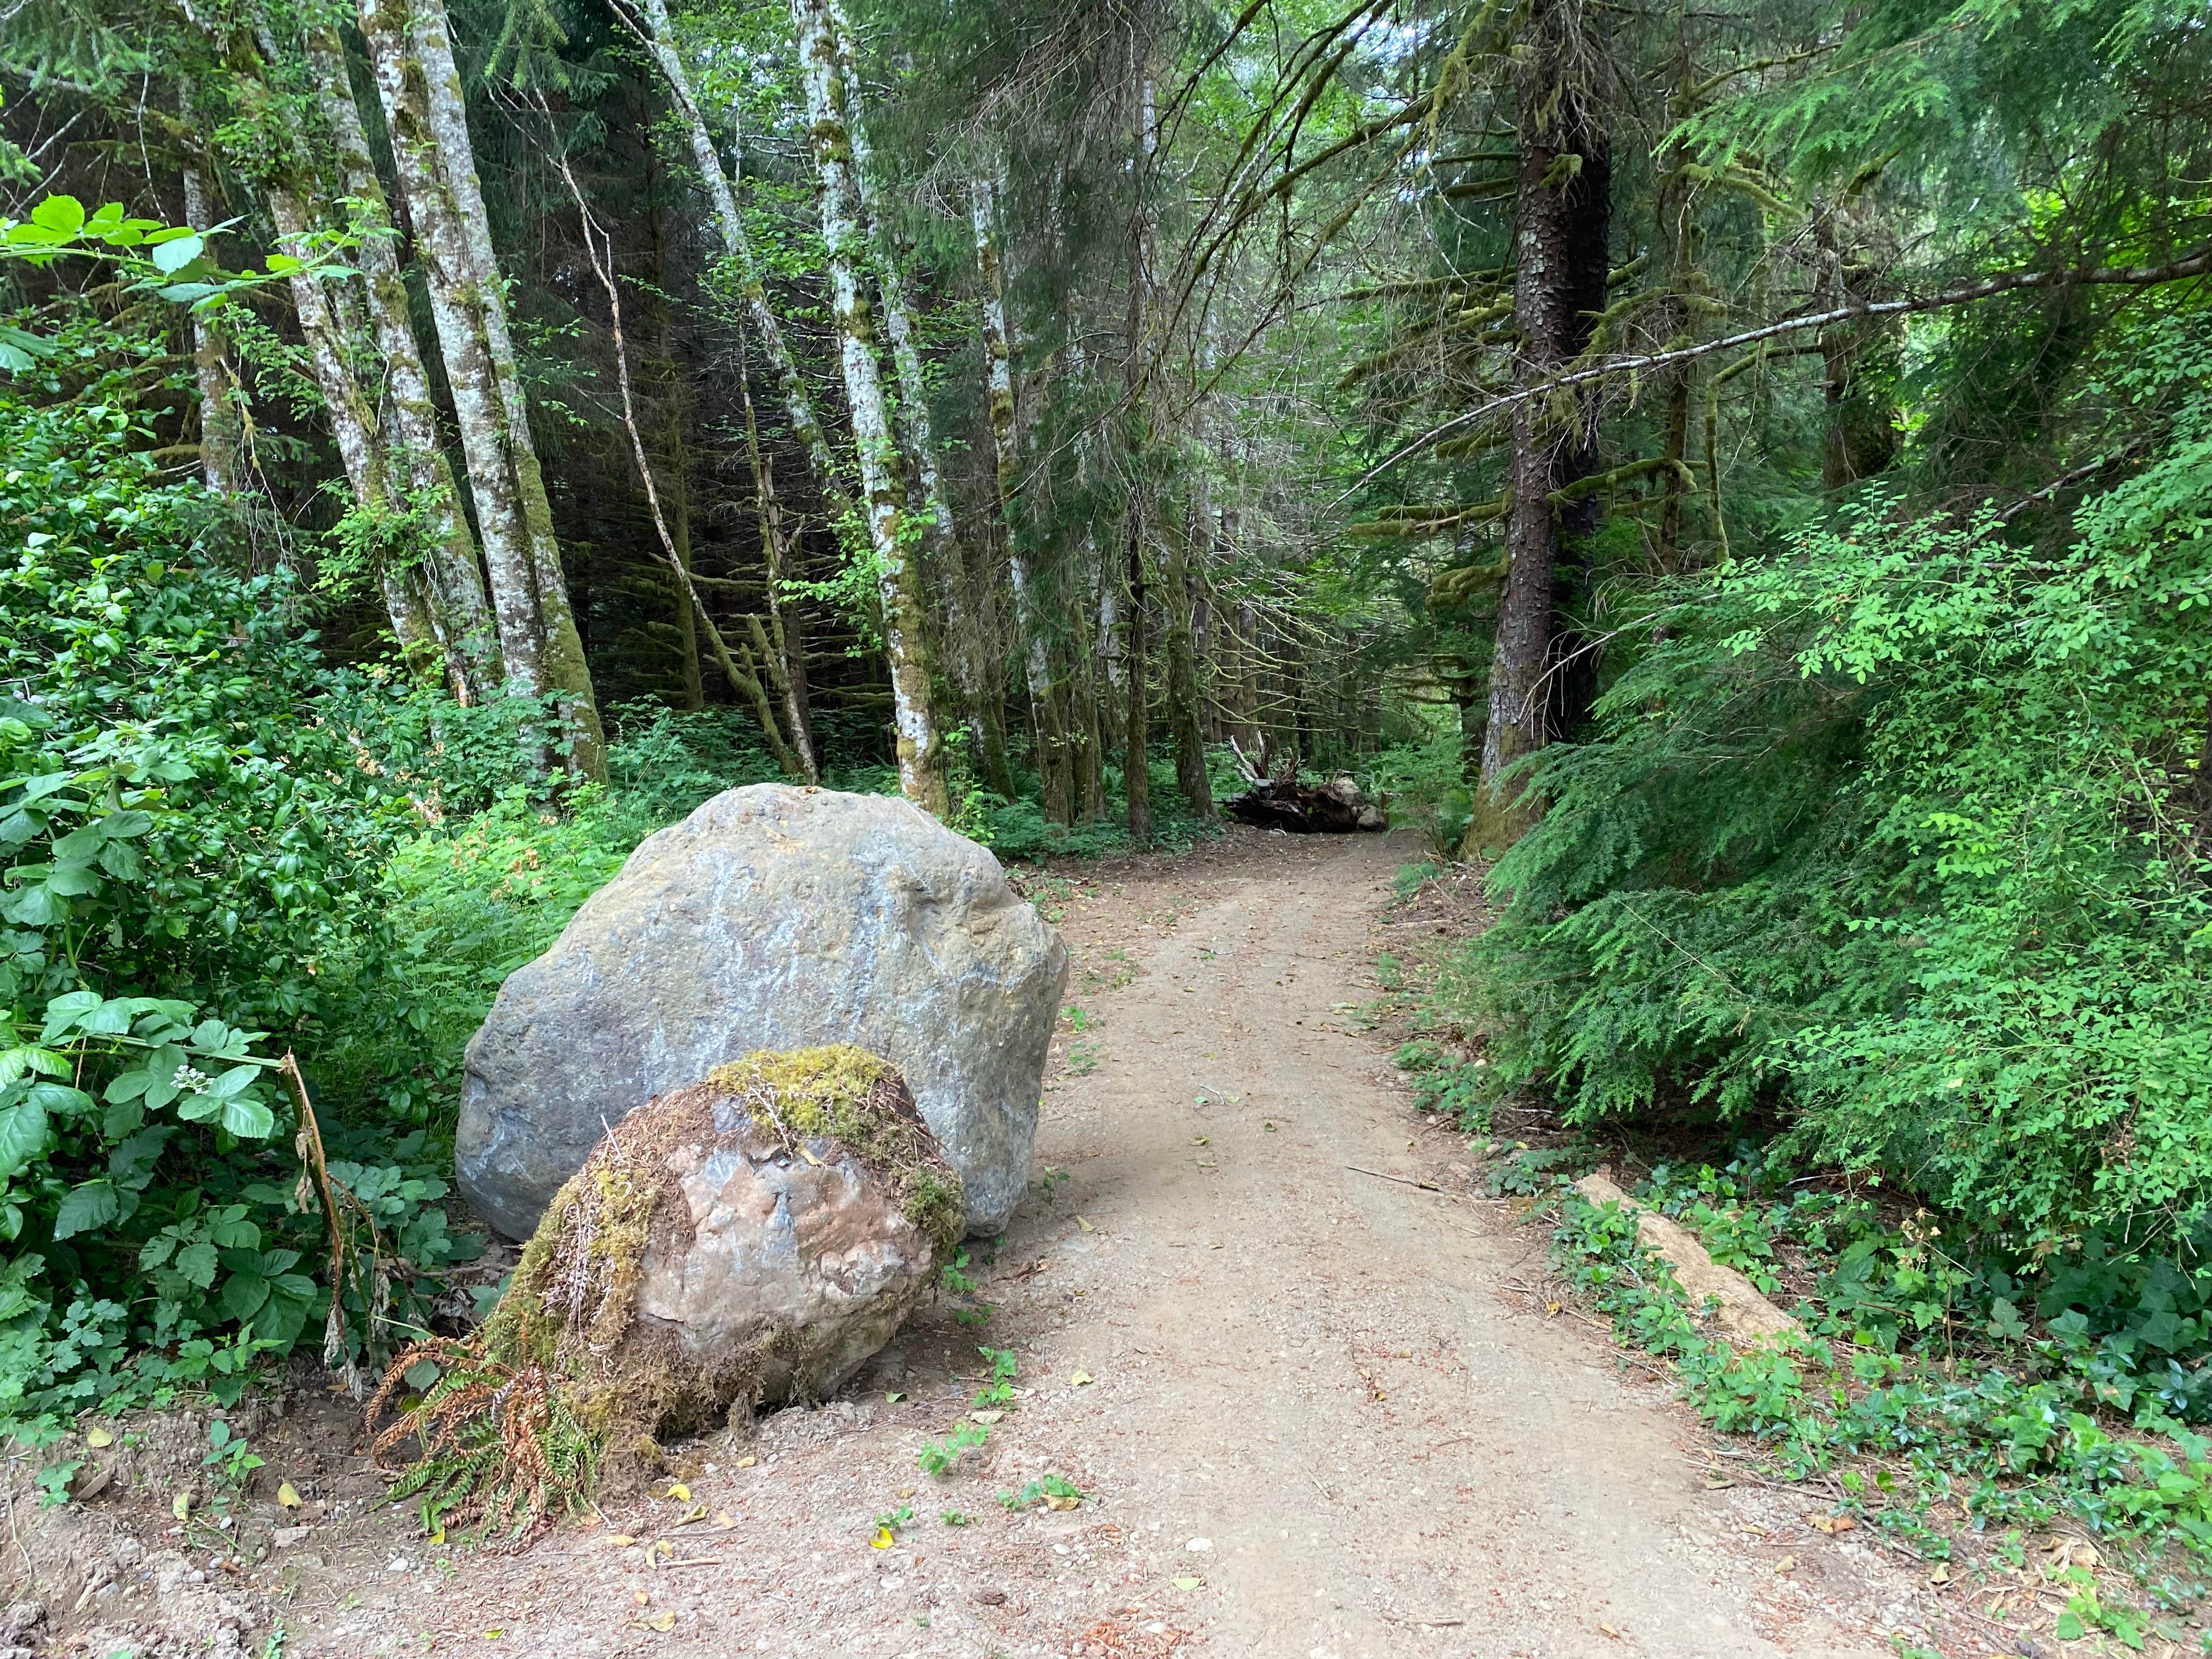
[(1897, 834), (188, 840)]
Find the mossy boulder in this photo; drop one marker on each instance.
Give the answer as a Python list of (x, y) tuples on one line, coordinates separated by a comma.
[(748, 1241)]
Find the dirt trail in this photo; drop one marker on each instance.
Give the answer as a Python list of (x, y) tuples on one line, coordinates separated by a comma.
[(1317, 1425)]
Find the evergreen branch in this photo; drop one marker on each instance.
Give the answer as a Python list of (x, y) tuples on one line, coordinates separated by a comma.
[(2016, 281)]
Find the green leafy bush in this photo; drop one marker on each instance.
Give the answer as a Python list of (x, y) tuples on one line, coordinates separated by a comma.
[(1899, 834), (187, 841)]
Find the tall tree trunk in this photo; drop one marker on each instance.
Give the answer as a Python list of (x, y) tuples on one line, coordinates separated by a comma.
[(1562, 200), (1184, 724), (1136, 774), (222, 430), (798, 401), (1052, 772), (352, 418), (944, 558), (787, 640), (415, 457), (540, 648), (920, 755)]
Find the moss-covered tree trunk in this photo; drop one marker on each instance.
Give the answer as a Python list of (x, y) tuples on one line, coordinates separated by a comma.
[(415, 457), (883, 485), (1185, 724), (540, 648)]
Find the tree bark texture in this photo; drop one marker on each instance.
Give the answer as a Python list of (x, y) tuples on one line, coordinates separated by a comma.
[(416, 463), (1562, 202), (1054, 776), (899, 576), (798, 401), (540, 648)]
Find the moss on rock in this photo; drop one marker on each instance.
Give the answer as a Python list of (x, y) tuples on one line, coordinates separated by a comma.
[(566, 1388)]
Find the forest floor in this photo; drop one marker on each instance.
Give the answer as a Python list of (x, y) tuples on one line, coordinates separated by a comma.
[(1319, 1411)]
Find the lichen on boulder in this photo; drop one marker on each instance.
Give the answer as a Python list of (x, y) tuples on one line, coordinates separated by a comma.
[(748, 1241)]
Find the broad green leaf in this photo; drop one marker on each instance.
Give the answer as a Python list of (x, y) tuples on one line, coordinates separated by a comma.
[(83, 1208), (60, 1097), (248, 1119), (123, 825), (74, 881), (33, 906), (130, 1086), (197, 1262), (79, 845), (173, 256), (62, 214), (236, 1080), (23, 1132), (243, 1294), (63, 1011)]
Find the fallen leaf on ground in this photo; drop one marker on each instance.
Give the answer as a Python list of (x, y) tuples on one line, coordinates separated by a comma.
[(1941, 1575), (621, 1541), (882, 1540), (693, 1515), (1831, 1524), (1717, 1483), (1079, 1379), (1787, 1564), (1203, 1140), (745, 1463), (723, 1518), (1054, 1501), (984, 1417), (908, 1491), (664, 1620), (493, 1635), (640, 1597), (1085, 1226), (286, 1496), (1188, 1583), (679, 1491), (98, 1437), (891, 1399), (181, 1505), (1607, 1630)]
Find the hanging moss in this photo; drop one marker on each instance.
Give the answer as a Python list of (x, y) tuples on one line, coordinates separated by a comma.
[(563, 1390)]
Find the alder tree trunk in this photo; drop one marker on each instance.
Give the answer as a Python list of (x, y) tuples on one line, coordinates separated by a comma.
[(540, 648), (1136, 775), (883, 487), (1561, 204), (222, 429), (945, 560), (798, 401), (415, 459), (1052, 757)]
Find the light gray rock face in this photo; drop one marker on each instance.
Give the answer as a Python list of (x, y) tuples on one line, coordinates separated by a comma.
[(772, 918), (805, 1261)]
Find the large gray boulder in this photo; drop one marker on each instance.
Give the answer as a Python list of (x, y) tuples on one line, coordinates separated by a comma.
[(772, 918)]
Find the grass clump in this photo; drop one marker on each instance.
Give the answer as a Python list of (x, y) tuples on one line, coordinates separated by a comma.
[(564, 1391)]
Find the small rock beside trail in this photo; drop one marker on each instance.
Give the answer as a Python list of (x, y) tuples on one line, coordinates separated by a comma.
[(773, 917)]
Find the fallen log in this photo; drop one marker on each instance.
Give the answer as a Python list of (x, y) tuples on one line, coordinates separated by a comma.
[(1300, 808)]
